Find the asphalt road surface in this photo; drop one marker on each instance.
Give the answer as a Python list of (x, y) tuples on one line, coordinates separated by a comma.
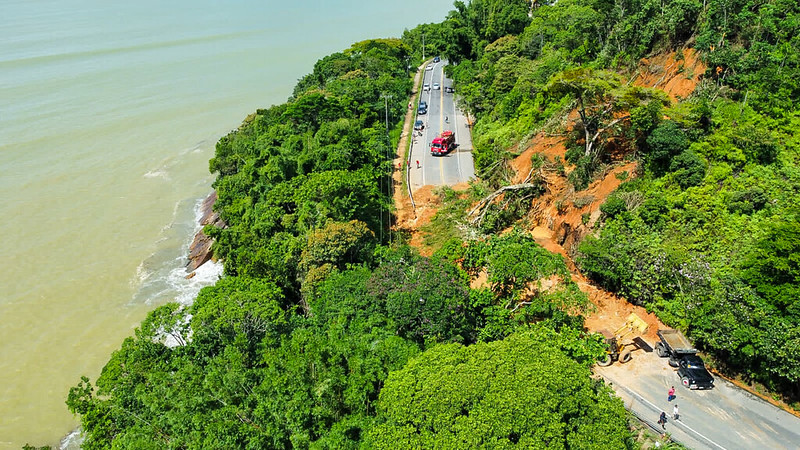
[(725, 417), (456, 166)]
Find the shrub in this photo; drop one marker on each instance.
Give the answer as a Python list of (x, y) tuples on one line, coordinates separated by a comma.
[(689, 169), (665, 142), (613, 207)]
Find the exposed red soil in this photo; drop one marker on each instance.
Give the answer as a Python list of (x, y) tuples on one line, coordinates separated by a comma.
[(562, 217), (676, 73)]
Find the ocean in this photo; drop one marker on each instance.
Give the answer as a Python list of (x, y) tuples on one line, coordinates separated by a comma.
[(109, 112)]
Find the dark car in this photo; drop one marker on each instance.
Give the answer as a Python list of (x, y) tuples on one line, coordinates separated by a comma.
[(436, 59), (694, 374), (419, 125), (422, 108)]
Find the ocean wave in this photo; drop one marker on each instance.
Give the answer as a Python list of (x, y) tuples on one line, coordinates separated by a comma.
[(90, 53), (187, 289), (162, 276), (157, 173), (72, 441)]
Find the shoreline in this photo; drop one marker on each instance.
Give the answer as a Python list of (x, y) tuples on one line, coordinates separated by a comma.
[(200, 249)]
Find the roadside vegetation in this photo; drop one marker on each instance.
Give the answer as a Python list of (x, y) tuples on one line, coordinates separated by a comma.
[(329, 331)]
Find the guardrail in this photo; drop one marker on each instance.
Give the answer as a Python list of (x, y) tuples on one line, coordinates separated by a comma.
[(408, 184)]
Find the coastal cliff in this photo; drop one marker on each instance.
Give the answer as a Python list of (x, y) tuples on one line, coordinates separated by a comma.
[(200, 248)]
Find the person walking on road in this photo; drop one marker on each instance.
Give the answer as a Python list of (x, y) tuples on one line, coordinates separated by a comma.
[(671, 394), (662, 420), (675, 414)]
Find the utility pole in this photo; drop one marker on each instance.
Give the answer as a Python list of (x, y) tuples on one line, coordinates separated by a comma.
[(423, 47), (386, 98)]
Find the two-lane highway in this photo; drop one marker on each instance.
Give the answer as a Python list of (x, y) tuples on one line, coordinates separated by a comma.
[(442, 114)]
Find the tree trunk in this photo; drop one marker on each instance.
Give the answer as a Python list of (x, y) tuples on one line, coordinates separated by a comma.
[(483, 206)]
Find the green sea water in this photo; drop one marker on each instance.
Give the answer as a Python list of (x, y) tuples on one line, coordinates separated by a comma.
[(109, 112)]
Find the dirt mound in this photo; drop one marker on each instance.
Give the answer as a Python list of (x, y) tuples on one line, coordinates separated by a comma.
[(543, 144), (677, 73), (612, 311)]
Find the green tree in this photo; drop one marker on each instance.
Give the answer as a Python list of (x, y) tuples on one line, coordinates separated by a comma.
[(599, 96), (522, 391), (426, 299), (773, 266), (664, 143)]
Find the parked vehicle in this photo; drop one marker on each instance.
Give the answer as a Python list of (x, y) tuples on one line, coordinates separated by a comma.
[(693, 373), (419, 125), (443, 143), (422, 108), (634, 326), (426, 87)]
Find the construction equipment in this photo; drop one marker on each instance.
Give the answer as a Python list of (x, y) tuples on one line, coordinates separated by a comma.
[(633, 327)]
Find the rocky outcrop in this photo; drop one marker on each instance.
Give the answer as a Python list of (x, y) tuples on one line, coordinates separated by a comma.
[(200, 249)]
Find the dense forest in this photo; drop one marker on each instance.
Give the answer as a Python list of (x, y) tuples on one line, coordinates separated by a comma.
[(329, 331)]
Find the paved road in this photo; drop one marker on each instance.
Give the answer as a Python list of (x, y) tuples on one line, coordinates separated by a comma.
[(725, 417), (455, 167)]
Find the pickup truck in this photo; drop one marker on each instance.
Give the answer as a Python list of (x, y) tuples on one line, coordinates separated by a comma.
[(693, 373)]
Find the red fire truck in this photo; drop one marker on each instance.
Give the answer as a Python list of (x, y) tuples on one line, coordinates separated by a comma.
[(442, 144)]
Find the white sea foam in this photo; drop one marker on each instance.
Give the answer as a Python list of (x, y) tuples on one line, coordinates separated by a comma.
[(205, 275), (141, 275), (157, 173), (72, 441), (198, 216), (187, 289)]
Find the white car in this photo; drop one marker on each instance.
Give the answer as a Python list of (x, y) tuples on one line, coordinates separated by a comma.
[(429, 67), (426, 87), (436, 86)]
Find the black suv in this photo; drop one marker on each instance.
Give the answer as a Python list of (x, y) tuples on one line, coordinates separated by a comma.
[(693, 373)]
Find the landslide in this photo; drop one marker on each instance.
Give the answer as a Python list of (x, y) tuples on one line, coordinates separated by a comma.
[(561, 217)]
